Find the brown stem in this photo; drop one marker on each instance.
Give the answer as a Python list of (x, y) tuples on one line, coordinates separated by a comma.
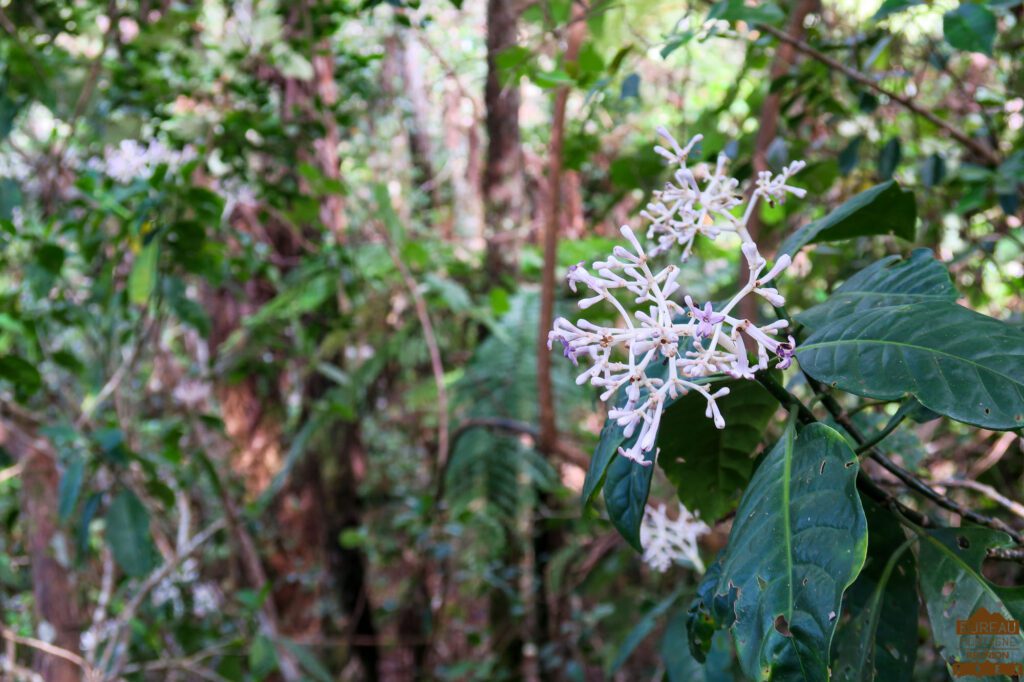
[(768, 123), (545, 389), (978, 147)]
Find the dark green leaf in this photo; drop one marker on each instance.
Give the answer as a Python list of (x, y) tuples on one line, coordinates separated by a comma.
[(738, 10), (710, 466), (128, 535), (798, 541), (954, 587), (890, 7), (641, 630), (891, 281), (70, 487), (970, 27), (883, 209), (850, 154), (608, 444), (933, 170), (630, 87), (23, 375), (889, 158), (626, 487), (877, 635), (681, 666), (953, 360)]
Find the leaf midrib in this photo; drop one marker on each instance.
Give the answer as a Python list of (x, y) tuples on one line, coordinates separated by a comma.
[(926, 349)]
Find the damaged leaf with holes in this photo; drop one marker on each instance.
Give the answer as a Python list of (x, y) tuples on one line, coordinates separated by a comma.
[(798, 541), (955, 588)]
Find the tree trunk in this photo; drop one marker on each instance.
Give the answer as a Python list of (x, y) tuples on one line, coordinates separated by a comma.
[(52, 585), (418, 117), (547, 538), (347, 566), (503, 182), (768, 128)]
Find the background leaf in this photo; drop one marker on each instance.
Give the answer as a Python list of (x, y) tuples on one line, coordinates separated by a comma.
[(128, 535), (888, 282), (709, 466), (883, 209), (953, 585), (877, 635), (142, 279), (970, 27)]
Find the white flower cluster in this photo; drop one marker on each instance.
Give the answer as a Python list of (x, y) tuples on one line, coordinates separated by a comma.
[(671, 349), (671, 541), (131, 160)]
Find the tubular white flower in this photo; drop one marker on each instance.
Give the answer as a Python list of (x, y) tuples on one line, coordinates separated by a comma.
[(664, 350), (671, 541)]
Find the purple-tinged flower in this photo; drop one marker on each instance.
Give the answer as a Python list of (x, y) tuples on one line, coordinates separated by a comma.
[(708, 318), (785, 352), (567, 350)]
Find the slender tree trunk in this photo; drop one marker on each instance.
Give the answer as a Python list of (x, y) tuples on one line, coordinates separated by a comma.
[(547, 537), (418, 118), (768, 128), (348, 566), (52, 584), (503, 182), (548, 440)]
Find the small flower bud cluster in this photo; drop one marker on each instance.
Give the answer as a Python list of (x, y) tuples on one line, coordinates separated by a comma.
[(671, 541), (666, 349)]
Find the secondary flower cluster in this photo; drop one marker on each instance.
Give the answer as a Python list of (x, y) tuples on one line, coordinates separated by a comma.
[(667, 541), (131, 160), (666, 348)]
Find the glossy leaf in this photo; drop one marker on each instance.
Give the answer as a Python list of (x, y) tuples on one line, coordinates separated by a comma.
[(883, 209), (709, 466), (128, 535), (877, 636), (954, 588), (798, 542), (970, 27), (626, 487), (610, 440), (955, 361), (888, 282)]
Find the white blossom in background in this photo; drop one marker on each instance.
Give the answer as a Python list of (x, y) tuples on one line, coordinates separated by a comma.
[(668, 348), (669, 541), (130, 160)]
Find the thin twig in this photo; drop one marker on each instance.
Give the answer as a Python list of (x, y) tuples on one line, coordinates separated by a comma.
[(980, 148), (436, 366), (11, 472), (911, 481), (48, 648), (986, 490), (118, 376), (125, 617), (896, 420)]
